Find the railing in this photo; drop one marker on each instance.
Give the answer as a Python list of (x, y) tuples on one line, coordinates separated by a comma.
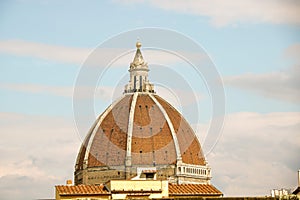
[(195, 170)]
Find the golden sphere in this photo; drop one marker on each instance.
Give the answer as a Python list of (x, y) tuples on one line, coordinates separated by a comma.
[(138, 45)]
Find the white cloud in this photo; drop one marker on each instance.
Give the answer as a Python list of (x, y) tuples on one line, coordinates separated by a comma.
[(39, 89), (179, 98), (103, 92), (14, 187), (37, 152), (257, 153), (44, 51), (223, 13), (58, 53), (92, 57), (293, 52), (282, 85)]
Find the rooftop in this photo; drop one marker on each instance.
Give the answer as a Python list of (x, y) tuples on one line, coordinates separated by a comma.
[(174, 190), (81, 189), (193, 189)]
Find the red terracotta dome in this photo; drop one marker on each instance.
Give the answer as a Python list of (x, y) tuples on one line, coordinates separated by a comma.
[(140, 129)]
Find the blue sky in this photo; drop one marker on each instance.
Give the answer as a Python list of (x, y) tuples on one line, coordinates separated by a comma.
[(255, 47)]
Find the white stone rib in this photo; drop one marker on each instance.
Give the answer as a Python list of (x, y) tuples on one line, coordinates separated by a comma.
[(178, 154), (85, 140), (130, 127), (88, 148)]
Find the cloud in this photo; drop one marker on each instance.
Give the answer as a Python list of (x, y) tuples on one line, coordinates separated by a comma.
[(37, 152), (103, 92), (89, 56), (222, 13), (14, 187), (293, 52), (44, 51), (62, 91), (179, 97), (256, 153), (58, 53), (282, 85)]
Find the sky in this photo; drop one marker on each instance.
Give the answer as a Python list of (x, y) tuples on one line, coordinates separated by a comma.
[(254, 45)]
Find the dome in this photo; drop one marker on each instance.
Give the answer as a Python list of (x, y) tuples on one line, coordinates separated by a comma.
[(141, 130)]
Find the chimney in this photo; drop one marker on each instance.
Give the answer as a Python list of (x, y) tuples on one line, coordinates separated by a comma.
[(69, 182)]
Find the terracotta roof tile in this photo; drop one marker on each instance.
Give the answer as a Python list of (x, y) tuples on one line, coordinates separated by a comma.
[(193, 189), (81, 189)]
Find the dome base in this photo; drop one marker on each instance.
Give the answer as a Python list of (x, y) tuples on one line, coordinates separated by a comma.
[(174, 173)]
